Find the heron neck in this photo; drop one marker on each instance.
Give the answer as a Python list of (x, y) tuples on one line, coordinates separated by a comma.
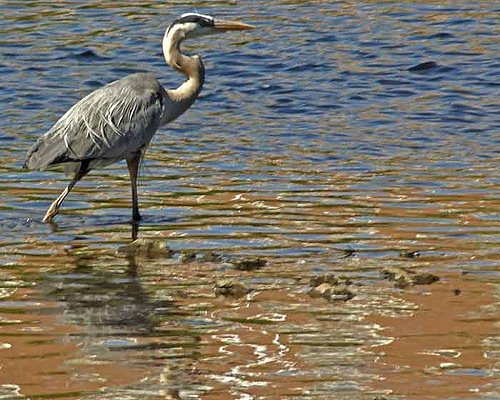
[(191, 66)]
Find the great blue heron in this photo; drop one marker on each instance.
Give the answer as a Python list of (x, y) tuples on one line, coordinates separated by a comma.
[(117, 121)]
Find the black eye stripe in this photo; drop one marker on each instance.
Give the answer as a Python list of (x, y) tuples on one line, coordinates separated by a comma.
[(196, 19), (202, 20)]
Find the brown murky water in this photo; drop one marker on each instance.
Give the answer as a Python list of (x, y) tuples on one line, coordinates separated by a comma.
[(321, 144)]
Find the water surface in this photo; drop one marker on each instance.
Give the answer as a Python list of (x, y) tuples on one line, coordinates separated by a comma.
[(337, 137)]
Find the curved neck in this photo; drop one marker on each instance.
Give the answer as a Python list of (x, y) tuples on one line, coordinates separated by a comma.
[(191, 66)]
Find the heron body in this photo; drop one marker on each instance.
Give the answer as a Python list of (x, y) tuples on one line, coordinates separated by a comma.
[(110, 124), (119, 120)]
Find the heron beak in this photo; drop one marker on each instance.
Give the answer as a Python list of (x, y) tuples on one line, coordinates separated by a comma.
[(224, 26)]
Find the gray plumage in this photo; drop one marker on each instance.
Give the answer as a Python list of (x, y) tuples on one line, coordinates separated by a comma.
[(119, 120), (106, 126)]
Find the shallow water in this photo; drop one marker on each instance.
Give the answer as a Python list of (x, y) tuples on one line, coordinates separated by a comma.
[(338, 137)]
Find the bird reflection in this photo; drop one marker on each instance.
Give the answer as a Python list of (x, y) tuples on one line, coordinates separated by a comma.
[(121, 321), (106, 301)]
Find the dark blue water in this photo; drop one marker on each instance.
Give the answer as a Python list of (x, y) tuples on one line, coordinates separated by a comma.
[(370, 128)]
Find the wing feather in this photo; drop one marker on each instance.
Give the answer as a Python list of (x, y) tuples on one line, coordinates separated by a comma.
[(105, 126)]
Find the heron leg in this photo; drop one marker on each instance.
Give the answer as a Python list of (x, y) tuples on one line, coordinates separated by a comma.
[(133, 170), (54, 207)]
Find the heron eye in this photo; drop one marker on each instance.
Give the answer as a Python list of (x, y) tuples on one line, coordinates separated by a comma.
[(206, 22)]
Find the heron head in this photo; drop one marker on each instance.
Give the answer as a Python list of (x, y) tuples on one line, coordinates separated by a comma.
[(192, 25)]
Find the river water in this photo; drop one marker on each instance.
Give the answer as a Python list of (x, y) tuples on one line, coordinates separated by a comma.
[(337, 137)]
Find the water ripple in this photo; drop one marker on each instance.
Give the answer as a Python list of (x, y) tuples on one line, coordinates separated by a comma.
[(337, 137)]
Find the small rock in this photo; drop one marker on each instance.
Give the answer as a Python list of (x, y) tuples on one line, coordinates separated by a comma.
[(331, 292), (331, 287), (330, 279), (210, 257), (230, 287), (186, 256), (424, 278), (327, 278), (249, 264), (399, 276), (404, 278), (457, 292), (146, 248)]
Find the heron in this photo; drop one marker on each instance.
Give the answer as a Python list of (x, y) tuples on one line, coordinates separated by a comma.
[(118, 121)]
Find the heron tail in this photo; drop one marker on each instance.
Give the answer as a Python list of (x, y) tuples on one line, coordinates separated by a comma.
[(46, 151)]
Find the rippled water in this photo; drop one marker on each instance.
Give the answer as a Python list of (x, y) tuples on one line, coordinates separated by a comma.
[(338, 137)]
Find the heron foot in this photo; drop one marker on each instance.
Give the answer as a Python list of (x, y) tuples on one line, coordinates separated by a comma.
[(50, 214), (136, 217)]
